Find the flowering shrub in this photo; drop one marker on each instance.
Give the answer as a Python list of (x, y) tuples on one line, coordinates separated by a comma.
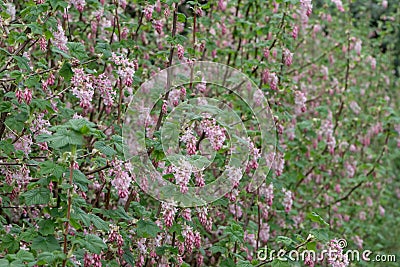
[(69, 69)]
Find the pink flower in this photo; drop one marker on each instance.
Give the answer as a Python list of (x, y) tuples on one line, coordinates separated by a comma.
[(381, 211), (182, 175), (122, 179), (59, 38), (186, 214), (27, 96), (273, 81), (336, 258), (295, 31), (222, 5), (181, 52), (148, 12), (19, 95), (79, 4), (190, 140), (357, 47), (339, 5), (254, 156), (82, 88), (266, 53), (269, 194), (168, 212), (288, 57), (206, 221), (288, 200), (158, 26), (300, 101), (214, 132), (43, 43)]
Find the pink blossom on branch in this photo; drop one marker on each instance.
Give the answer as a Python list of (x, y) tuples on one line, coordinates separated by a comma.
[(78, 4), (59, 38)]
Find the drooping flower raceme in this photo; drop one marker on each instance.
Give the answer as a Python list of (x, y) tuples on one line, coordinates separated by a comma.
[(78, 4), (190, 140), (288, 199), (168, 211), (214, 132), (182, 175), (59, 38), (336, 258), (122, 178), (82, 88)]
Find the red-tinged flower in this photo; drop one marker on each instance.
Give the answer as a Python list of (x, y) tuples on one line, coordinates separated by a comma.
[(148, 12), (27, 96)]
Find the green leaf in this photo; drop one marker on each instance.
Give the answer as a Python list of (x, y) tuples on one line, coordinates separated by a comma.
[(10, 243), (313, 216), (235, 232), (24, 255), (82, 126), (147, 229), (4, 263), (92, 243), (216, 249), (103, 148), (66, 71), (49, 167), (48, 243), (80, 180), (285, 240), (46, 227), (37, 196), (5, 106), (22, 62), (77, 50), (99, 223)]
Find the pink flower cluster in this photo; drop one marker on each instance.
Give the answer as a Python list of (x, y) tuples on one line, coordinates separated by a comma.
[(82, 88), (24, 96), (122, 179), (116, 237), (103, 84), (59, 38), (214, 132), (254, 156), (205, 220), (306, 6), (300, 101), (78, 4), (336, 258), (84, 85), (327, 131), (148, 12), (192, 239), (338, 4), (168, 212), (268, 193), (126, 68), (288, 57), (92, 260), (182, 175), (190, 140), (287, 200), (40, 126)]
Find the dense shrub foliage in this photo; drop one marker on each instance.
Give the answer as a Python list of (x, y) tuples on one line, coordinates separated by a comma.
[(70, 68)]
